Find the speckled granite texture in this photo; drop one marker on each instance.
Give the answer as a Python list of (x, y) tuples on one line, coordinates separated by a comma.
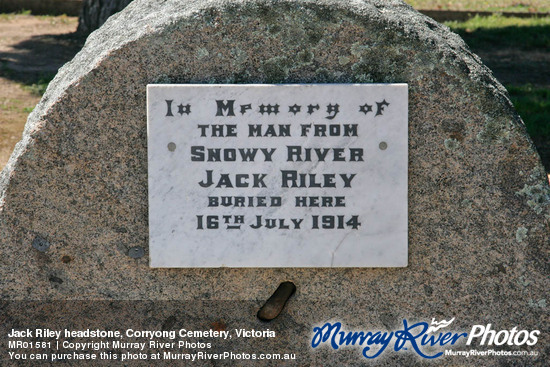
[(73, 196)]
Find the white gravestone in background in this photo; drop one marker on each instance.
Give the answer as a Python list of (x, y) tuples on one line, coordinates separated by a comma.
[(278, 175)]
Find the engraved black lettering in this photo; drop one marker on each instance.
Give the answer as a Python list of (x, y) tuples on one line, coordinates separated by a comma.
[(225, 107), (169, 107)]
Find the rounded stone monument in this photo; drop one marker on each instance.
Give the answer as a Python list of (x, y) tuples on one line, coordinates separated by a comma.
[(74, 204)]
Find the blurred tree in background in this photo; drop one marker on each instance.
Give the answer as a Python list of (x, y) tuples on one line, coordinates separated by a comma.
[(95, 13)]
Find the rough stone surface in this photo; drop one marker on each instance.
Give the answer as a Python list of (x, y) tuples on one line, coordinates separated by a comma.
[(478, 197)]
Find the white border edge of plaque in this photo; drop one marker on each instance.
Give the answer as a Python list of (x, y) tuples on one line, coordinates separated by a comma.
[(404, 261)]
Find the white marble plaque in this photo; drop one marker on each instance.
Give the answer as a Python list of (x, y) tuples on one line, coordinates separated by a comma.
[(278, 175)]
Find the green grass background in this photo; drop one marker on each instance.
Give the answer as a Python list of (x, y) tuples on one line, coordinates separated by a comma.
[(525, 34), (483, 5)]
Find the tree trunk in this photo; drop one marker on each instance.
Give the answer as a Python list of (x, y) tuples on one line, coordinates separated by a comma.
[(95, 13)]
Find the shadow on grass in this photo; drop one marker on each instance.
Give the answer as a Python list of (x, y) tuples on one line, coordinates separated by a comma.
[(516, 49), (35, 61), (533, 105), (518, 52), (519, 37)]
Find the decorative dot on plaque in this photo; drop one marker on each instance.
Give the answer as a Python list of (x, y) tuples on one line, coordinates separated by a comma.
[(171, 146), (383, 145)]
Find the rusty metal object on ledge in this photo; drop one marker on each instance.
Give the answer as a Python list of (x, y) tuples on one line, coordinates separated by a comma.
[(275, 304)]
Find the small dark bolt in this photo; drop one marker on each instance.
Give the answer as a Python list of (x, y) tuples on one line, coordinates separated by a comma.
[(66, 259), (136, 252), (274, 305), (40, 244)]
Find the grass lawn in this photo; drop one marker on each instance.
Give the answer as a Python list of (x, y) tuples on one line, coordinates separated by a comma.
[(511, 39), (542, 6), (534, 104), (498, 31)]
